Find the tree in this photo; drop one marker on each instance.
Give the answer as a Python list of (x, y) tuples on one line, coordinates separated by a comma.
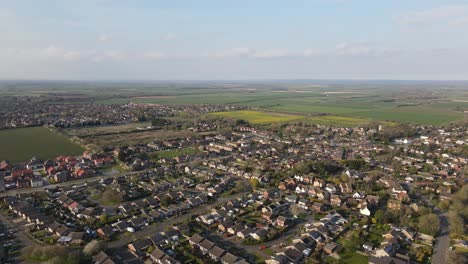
[(50, 254), (457, 258), (457, 226), (93, 247), (103, 218), (166, 200), (242, 186), (379, 216), (429, 224), (254, 183), (121, 155), (110, 196)]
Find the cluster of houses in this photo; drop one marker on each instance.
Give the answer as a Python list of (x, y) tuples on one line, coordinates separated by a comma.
[(22, 112), (61, 169), (271, 199)]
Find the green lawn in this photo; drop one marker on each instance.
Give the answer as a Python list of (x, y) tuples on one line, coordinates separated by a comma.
[(21, 144), (353, 258), (172, 153), (344, 121), (257, 117)]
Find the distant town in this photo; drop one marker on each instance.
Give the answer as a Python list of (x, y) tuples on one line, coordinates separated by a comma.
[(208, 188)]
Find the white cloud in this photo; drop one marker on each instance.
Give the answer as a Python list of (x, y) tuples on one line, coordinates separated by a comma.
[(459, 21), (233, 52), (49, 53), (362, 49), (448, 14), (154, 55), (104, 37), (168, 36), (312, 52), (110, 55), (258, 53), (271, 54)]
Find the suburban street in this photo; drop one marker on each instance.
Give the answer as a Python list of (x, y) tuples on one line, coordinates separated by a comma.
[(158, 227), (442, 241)]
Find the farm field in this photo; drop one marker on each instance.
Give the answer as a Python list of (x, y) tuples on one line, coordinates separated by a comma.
[(21, 144), (352, 103), (257, 117), (344, 121), (419, 102)]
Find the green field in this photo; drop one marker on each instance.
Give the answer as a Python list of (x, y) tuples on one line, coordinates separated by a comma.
[(418, 102), (172, 153), (356, 103), (342, 121), (256, 117), (21, 144)]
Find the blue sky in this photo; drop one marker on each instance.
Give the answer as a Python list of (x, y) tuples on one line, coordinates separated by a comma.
[(241, 39)]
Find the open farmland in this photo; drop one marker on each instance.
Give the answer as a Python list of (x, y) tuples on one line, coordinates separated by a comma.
[(256, 117), (344, 121), (23, 143), (419, 102)]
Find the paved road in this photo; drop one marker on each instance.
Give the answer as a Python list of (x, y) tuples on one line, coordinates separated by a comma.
[(25, 238), (442, 241), (67, 183), (275, 245)]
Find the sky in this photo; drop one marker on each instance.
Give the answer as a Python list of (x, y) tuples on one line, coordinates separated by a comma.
[(233, 39)]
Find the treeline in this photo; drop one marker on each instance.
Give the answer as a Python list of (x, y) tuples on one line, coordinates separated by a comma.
[(458, 216), (61, 254), (325, 168), (458, 213), (391, 133)]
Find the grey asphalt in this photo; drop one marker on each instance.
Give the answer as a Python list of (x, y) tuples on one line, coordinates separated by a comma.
[(442, 241)]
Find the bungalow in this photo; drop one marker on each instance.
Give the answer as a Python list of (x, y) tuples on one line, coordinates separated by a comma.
[(216, 252), (330, 188), (76, 238), (205, 245), (359, 195), (157, 256), (195, 240), (121, 226), (260, 234), (330, 248), (335, 200), (137, 222), (283, 221), (224, 226), (294, 255), (102, 258), (139, 247), (105, 232), (245, 233), (318, 207), (233, 230), (303, 203), (291, 198), (36, 182), (229, 258), (158, 240)]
